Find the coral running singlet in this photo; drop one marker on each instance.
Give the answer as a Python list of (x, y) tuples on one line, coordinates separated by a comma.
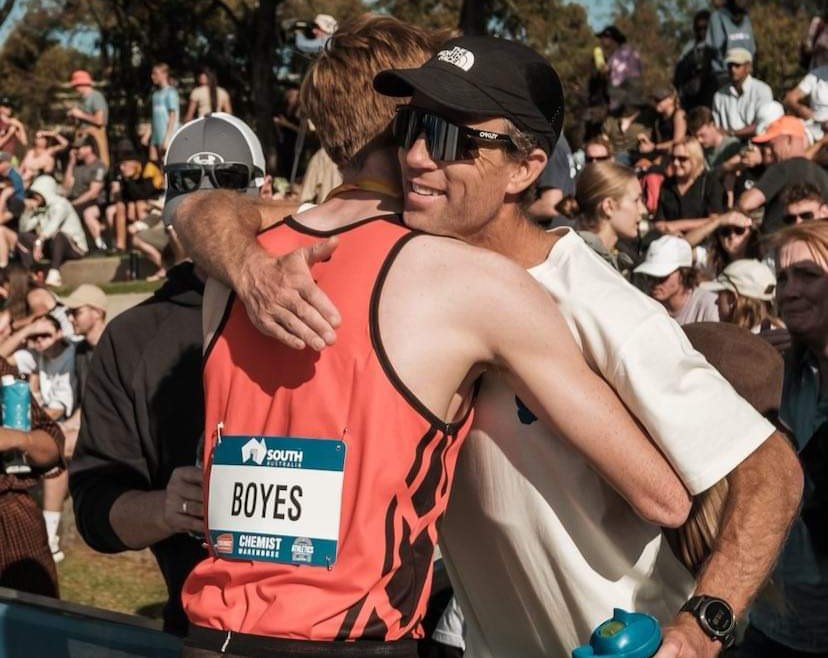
[(399, 461)]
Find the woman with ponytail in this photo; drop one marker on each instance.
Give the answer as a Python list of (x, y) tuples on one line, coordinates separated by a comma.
[(610, 205), (208, 96)]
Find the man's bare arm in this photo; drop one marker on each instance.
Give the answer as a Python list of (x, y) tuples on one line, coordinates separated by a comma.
[(764, 494), (751, 200), (218, 229), (531, 341)]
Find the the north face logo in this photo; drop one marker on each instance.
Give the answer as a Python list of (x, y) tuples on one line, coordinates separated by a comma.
[(460, 57), (255, 450)]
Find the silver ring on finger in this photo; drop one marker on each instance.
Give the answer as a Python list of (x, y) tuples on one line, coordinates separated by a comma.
[(183, 506)]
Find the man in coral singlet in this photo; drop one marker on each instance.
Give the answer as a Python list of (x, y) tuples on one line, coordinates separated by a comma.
[(326, 473), (469, 175)]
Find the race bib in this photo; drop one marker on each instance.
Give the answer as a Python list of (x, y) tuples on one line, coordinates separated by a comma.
[(276, 499)]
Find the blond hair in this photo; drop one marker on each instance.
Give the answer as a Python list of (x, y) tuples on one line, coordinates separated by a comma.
[(695, 152), (814, 234), (693, 542), (338, 95), (598, 181), (749, 312)]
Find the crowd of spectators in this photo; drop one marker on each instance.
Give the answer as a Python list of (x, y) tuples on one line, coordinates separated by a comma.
[(721, 162), (732, 174), (66, 194)]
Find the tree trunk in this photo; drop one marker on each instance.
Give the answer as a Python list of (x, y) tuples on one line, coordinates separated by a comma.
[(261, 75), (473, 16)]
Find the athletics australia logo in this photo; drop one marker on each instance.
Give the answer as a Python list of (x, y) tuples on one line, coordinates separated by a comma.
[(254, 450), (302, 550), (460, 57)]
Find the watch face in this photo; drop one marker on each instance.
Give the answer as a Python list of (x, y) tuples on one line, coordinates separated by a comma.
[(718, 616)]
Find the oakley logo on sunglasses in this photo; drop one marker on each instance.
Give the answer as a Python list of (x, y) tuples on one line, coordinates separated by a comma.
[(460, 57), (445, 140)]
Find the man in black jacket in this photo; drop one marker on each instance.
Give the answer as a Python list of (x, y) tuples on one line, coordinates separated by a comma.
[(133, 477)]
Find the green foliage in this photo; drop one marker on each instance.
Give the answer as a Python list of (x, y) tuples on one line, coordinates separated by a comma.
[(432, 14), (657, 29), (241, 41), (33, 64), (778, 31), (558, 31)]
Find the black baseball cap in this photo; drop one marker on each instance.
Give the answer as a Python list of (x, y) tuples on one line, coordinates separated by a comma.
[(488, 77), (613, 33)]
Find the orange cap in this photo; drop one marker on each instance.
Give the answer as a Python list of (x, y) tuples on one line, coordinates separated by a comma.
[(80, 77), (784, 125)]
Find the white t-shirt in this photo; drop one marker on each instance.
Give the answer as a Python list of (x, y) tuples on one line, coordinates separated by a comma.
[(701, 306), (815, 86), (539, 548), (734, 111)]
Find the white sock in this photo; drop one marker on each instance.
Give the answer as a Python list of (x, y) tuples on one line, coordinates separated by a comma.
[(52, 522)]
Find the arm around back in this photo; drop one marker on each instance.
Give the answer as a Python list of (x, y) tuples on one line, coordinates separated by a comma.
[(495, 315), (218, 229)]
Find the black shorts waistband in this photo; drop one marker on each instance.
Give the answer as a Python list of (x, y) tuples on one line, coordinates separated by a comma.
[(260, 646)]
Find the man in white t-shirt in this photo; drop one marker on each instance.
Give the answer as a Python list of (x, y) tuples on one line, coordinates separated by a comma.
[(523, 582), (736, 104), (672, 281), (538, 547), (814, 88)]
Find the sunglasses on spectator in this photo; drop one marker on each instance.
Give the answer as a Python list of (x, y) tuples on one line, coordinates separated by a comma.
[(597, 158), (791, 218), (733, 65), (41, 336), (445, 140), (681, 158), (727, 231), (187, 176)]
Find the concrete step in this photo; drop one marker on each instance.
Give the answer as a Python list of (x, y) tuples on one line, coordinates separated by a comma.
[(100, 269)]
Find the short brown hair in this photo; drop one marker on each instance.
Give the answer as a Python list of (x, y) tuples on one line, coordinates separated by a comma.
[(690, 277), (698, 117), (338, 94), (600, 140), (796, 192)]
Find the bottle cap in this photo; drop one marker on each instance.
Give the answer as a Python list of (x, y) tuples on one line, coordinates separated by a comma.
[(626, 635)]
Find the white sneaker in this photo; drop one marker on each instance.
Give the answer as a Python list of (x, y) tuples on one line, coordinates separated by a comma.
[(100, 244), (53, 278), (54, 546)]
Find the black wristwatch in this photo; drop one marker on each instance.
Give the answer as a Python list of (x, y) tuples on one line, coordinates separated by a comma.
[(715, 617)]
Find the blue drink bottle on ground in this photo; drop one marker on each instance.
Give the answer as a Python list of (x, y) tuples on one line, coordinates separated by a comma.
[(626, 635), (16, 415)]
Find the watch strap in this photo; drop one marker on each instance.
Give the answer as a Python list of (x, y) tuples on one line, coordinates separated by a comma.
[(694, 606)]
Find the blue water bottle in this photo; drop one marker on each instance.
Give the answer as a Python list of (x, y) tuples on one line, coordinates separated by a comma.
[(17, 415), (626, 635)]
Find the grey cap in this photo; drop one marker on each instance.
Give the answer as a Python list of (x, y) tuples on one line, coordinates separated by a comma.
[(212, 139)]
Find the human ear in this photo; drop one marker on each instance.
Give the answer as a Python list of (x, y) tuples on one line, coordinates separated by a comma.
[(527, 171)]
